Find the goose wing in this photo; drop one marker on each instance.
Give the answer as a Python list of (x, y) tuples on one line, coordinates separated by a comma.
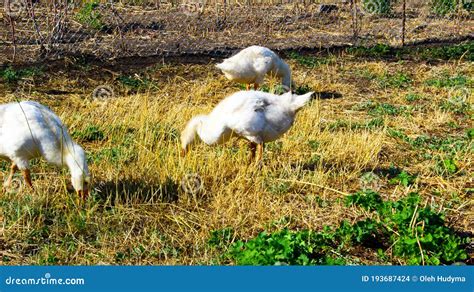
[(263, 64)]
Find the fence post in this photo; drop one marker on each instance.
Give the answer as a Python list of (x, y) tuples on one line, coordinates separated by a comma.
[(354, 19), (11, 21), (404, 18)]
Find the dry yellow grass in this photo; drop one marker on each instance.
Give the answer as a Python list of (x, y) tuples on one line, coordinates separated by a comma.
[(136, 165)]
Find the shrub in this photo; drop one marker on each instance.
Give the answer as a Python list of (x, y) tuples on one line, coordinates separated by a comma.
[(285, 248), (418, 234), (89, 133), (377, 6), (443, 7), (415, 234), (11, 75), (90, 16)]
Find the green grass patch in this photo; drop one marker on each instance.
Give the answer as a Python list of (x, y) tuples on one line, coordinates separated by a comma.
[(90, 16), (374, 123), (412, 97), (377, 51), (116, 154), (397, 80), (413, 233), (450, 145), (416, 234), (449, 81), (136, 83), (445, 7), (445, 52), (381, 109), (89, 133), (403, 178), (310, 61), (446, 167), (11, 75)]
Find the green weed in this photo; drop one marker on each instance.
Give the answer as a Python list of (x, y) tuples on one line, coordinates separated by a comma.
[(89, 133), (310, 61), (398, 80), (446, 167), (285, 248), (411, 97), (445, 52), (221, 238), (90, 16), (374, 123), (415, 234), (443, 7), (378, 50), (449, 81), (403, 178), (12, 76), (136, 83), (381, 109)]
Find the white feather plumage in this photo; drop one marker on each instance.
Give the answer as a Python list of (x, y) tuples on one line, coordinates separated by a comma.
[(29, 130), (252, 64), (256, 116)]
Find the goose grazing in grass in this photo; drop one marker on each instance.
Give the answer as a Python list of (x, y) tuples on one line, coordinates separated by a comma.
[(30, 130), (250, 66), (257, 116)]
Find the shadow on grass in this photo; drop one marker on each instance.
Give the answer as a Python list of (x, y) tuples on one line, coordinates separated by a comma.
[(327, 95), (136, 191)]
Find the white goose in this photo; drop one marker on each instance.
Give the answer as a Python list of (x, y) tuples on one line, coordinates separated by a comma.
[(252, 64), (29, 130), (256, 116)]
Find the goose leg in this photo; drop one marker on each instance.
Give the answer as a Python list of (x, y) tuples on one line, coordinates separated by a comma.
[(83, 194), (260, 152), (253, 149), (13, 169), (27, 177)]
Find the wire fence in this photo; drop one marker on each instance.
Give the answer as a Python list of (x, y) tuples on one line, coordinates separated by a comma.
[(39, 30)]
